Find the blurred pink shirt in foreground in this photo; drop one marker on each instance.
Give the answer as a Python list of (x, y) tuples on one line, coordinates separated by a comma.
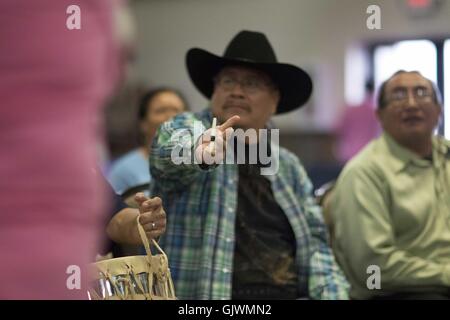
[(53, 82)]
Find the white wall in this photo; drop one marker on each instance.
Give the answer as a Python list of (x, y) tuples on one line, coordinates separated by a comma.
[(313, 34)]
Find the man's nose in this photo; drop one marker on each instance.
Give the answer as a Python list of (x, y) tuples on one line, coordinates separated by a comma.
[(238, 90), (412, 101)]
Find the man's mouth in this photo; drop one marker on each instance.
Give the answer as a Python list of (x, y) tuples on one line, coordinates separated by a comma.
[(412, 120), (236, 106)]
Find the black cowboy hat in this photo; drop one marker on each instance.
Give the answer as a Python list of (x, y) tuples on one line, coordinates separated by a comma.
[(251, 49)]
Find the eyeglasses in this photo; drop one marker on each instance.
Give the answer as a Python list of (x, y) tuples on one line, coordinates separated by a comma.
[(401, 95), (249, 84)]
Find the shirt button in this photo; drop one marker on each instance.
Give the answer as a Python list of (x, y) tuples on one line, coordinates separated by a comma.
[(230, 209), (226, 270), (228, 240)]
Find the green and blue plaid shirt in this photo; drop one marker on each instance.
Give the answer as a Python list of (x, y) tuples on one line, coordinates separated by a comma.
[(201, 209)]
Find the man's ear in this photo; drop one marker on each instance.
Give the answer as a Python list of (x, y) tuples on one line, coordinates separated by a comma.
[(439, 109), (379, 114), (439, 116), (274, 110)]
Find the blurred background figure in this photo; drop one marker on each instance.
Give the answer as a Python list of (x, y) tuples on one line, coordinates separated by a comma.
[(53, 82), (130, 173), (357, 126)]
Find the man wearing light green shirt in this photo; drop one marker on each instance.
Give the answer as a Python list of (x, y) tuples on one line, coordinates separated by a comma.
[(391, 204)]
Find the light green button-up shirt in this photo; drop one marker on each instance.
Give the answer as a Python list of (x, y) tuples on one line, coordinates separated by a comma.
[(391, 209)]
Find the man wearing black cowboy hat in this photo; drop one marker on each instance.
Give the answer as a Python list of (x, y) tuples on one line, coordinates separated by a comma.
[(232, 232)]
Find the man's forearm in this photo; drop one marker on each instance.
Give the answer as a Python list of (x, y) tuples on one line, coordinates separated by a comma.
[(172, 158), (122, 228)]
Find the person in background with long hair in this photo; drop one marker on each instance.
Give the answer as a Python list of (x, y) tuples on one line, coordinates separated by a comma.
[(156, 106)]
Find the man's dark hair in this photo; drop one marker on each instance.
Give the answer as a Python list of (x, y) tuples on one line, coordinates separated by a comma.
[(381, 101), (151, 94)]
